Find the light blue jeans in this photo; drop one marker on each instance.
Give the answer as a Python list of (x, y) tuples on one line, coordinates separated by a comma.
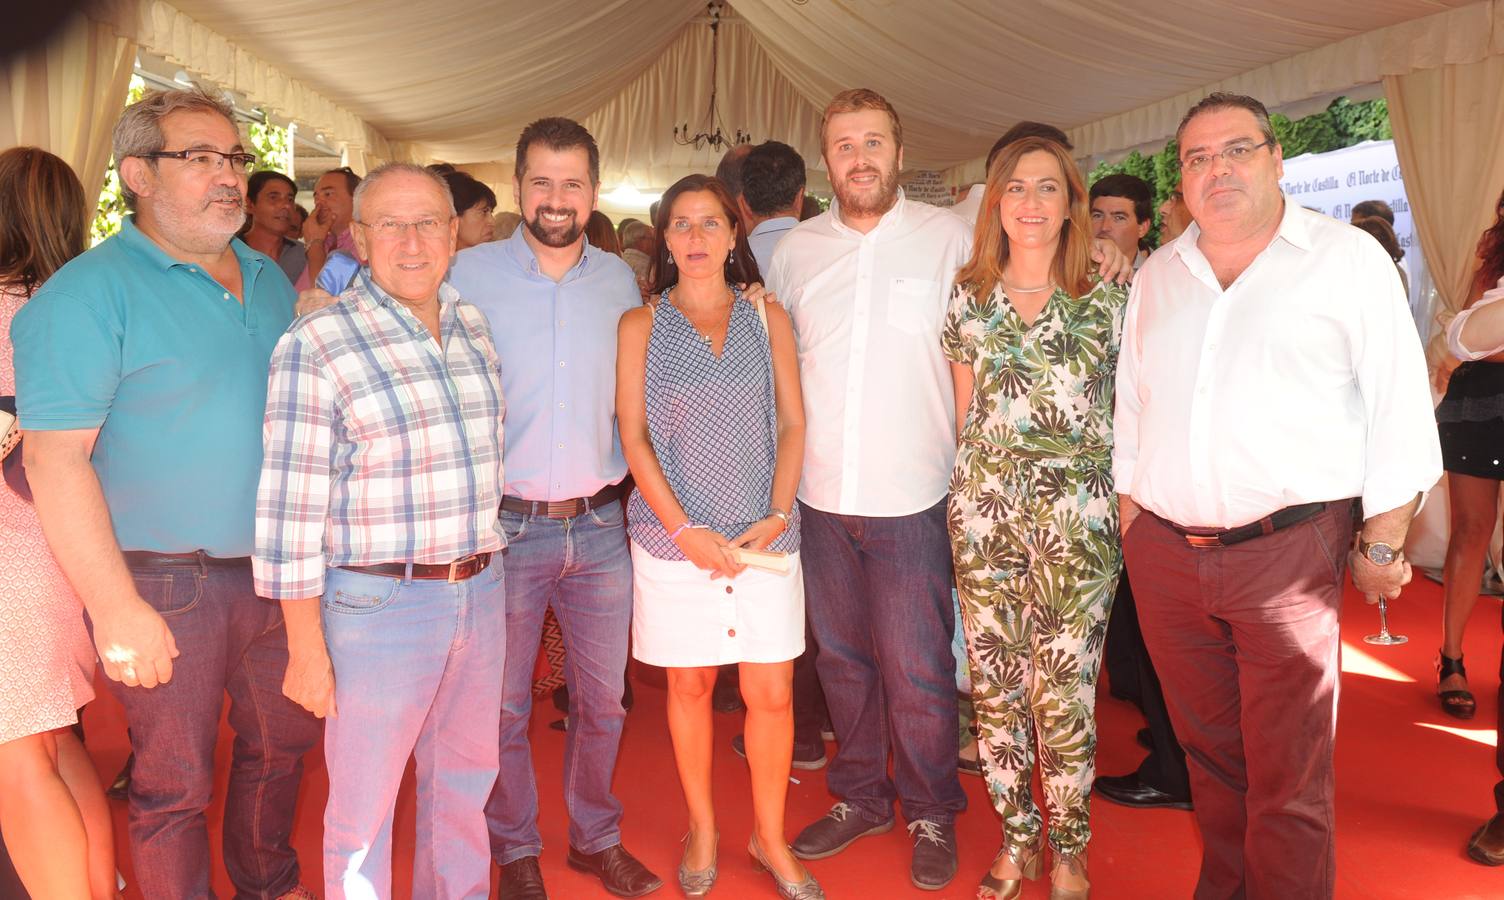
[(417, 671)]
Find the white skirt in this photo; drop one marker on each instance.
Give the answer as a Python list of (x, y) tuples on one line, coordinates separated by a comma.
[(681, 618)]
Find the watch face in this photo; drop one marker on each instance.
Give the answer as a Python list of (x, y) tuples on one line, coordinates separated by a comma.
[(1380, 554)]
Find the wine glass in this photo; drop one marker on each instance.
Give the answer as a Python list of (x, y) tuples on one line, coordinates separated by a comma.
[(1384, 637)]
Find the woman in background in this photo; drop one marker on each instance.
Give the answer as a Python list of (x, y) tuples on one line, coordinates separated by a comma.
[(1471, 421), (53, 814)]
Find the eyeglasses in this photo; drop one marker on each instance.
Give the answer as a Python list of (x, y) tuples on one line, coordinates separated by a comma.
[(393, 230), (1237, 154), (205, 160)]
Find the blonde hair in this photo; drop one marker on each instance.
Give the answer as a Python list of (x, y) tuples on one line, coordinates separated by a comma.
[(856, 100), (1072, 266)]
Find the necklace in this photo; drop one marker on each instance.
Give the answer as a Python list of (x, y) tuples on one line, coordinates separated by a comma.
[(721, 322), (1018, 290)]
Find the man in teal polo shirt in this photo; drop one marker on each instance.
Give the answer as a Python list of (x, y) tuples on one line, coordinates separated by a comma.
[(141, 371)]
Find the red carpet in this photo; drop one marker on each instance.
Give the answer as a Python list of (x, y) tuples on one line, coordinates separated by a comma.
[(1411, 788)]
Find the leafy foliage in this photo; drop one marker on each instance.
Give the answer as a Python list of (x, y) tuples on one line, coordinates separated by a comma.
[(1342, 124)]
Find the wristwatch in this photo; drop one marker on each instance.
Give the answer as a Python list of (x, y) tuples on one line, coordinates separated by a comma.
[(1378, 552)]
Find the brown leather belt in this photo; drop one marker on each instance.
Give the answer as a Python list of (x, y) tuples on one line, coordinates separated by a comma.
[(145, 559), (1284, 518), (459, 570), (565, 509)]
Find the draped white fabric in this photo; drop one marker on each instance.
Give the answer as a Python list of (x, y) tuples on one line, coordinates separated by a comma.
[(65, 96)]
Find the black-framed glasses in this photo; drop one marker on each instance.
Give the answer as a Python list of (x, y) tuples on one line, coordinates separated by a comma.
[(1237, 154), (206, 160)]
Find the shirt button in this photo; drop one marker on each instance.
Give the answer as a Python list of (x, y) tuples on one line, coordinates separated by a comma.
[(730, 632), (227, 295), (561, 363), (728, 588), (561, 406), (561, 446)]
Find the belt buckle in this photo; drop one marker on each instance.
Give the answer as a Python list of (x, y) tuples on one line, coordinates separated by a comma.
[(454, 568), (1203, 541)]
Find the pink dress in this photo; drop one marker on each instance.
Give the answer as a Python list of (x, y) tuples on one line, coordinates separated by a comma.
[(46, 657)]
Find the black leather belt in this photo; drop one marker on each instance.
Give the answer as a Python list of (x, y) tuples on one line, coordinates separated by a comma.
[(1284, 518), (566, 509), (459, 570), (143, 559)]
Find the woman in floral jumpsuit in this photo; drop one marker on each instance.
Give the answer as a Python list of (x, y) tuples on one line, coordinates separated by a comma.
[(1033, 344)]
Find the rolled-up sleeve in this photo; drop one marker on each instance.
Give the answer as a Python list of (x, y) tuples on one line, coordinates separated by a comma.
[(292, 500), (1402, 455), (1127, 404)]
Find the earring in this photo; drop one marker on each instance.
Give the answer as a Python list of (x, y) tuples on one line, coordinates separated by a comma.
[(670, 259), (731, 258)]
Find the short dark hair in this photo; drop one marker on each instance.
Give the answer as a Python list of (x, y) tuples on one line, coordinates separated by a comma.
[(352, 181), (1223, 100), (1129, 187), (558, 133), (258, 180), (772, 178), (1368, 208), (468, 193), (729, 170), (1028, 129)]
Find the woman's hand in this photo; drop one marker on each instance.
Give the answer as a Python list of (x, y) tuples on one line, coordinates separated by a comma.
[(762, 533), (709, 551)]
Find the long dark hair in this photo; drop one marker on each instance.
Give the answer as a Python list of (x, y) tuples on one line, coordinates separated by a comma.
[(1491, 250), (44, 218), (740, 267)]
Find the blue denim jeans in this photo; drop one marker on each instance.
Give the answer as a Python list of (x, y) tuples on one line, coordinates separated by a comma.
[(230, 642), (580, 566), (417, 672), (878, 592)]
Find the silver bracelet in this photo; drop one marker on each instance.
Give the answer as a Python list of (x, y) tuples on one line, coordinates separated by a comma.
[(674, 535), (782, 515)]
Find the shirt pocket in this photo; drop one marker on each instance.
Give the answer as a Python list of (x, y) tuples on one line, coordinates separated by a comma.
[(915, 305)]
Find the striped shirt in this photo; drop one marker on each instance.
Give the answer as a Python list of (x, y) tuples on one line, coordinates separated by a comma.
[(379, 445)]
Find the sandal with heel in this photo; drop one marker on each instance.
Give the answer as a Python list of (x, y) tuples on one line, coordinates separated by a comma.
[(1459, 704), (1028, 860)]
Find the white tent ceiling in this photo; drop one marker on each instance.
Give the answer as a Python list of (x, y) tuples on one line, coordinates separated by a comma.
[(457, 79)]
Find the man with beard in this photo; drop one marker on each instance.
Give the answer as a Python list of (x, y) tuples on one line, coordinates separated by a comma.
[(867, 284), (142, 370), (554, 301), (269, 197)]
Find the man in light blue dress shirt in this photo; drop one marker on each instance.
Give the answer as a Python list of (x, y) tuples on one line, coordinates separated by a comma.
[(553, 301), (771, 198)]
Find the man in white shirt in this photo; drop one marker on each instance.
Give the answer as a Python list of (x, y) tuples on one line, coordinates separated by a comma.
[(867, 284), (1271, 386)]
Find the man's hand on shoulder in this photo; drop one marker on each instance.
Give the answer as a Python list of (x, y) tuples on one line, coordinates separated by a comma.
[(1112, 265), (312, 300)]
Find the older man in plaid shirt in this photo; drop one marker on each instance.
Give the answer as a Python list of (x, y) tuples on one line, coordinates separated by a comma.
[(376, 528)]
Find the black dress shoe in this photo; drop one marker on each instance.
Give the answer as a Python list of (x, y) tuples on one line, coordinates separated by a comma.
[(1129, 790), (619, 871), (809, 758), (934, 862), (726, 697), (521, 879), (1487, 844), (834, 832)]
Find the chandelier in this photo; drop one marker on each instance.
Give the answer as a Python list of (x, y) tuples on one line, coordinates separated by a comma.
[(711, 134)]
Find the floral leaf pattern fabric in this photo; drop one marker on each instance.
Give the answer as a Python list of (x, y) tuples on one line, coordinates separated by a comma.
[(1034, 532)]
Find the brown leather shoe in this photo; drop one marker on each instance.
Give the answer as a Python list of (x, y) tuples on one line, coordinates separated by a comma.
[(619, 871), (1487, 845), (522, 879)]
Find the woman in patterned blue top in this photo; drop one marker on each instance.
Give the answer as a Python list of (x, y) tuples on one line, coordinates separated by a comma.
[(712, 426)]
